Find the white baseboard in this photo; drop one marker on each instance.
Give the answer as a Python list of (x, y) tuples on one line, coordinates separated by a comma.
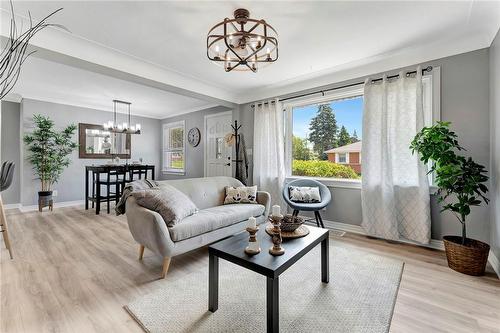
[(31, 208), (434, 243), (12, 206), (494, 262), (357, 229)]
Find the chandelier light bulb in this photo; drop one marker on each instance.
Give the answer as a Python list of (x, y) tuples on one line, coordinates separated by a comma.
[(112, 126)]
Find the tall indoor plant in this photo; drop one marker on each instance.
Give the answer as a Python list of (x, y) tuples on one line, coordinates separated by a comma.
[(461, 184), (48, 152)]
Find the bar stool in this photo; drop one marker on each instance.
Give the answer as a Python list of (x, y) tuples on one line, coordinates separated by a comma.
[(114, 183), (6, 175), (139, 171)]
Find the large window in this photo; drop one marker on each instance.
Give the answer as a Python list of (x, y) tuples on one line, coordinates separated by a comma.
[(173, 148), (324, 134)]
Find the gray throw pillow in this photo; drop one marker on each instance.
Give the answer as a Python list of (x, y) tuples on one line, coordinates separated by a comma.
[(169, 202)]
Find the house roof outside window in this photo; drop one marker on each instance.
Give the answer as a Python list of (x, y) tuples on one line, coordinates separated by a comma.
[(350, 148)]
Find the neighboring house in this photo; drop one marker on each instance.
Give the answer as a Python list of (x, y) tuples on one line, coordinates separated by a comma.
[(349, 155)]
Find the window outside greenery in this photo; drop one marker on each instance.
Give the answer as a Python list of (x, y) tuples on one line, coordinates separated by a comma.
[(319, 128), (173, 148)]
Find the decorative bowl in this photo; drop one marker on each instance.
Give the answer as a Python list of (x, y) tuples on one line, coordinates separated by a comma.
[(290, 223)]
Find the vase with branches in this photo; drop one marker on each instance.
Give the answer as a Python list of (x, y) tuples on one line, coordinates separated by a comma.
[(461, 184), (15, 50), (49, 150)]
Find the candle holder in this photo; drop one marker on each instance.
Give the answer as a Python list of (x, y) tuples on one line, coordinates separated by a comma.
[(276, 249), (253, 244)]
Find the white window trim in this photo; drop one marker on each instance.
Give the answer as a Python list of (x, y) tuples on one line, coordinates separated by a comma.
[(431, 87), (181, 123), (337, 159), (343, 93)]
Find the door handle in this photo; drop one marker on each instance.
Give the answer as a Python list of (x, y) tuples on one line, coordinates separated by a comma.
[(229, 164)]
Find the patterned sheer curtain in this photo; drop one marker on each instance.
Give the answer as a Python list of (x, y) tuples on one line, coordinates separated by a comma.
[(269, 151), (395, 188)]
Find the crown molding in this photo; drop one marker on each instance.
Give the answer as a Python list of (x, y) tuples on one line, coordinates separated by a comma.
[(369, 66)]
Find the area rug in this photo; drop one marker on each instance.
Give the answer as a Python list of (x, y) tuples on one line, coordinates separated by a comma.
[(359, 298)]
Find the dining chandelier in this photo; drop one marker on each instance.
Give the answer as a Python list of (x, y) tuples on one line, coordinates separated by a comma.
[(242, 43), (125, 127)]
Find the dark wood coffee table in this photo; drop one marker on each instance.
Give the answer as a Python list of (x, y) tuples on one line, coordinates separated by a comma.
[(233, 249)]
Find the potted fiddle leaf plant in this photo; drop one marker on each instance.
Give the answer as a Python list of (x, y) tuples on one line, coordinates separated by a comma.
[(461, 184), (48, 152)]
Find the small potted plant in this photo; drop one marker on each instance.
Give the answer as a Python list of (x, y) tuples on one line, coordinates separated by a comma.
[(48, 152), (461, 184)]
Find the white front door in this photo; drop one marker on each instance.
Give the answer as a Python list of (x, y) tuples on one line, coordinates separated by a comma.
[(218, 155)]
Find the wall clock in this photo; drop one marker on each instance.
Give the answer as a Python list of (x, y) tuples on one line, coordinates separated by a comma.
[(194, 136)]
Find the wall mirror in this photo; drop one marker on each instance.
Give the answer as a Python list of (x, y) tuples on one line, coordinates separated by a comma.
[(96, 142)]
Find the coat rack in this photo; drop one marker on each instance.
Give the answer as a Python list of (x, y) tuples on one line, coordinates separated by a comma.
[(237, 160)]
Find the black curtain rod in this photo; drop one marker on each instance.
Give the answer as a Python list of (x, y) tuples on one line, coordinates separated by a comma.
[(427, 69)]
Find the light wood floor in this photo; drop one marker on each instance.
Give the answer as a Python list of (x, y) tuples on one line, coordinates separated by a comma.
[(73, 271)]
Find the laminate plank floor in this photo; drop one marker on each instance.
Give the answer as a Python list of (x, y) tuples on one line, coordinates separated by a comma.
[(73, 271)]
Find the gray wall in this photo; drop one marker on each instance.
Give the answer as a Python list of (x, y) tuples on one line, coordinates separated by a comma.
[(194, 160), (495, 146), (464, 102), (10, 149), (72, 183)]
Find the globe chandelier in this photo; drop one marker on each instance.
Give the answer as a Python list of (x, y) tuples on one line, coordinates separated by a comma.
[(242, 43)]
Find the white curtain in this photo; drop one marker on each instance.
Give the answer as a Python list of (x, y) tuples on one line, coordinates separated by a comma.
[(395, 188), (269, 150)]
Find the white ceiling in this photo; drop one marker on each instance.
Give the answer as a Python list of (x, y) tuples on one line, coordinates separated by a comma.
[(58, 83), (316, 38)]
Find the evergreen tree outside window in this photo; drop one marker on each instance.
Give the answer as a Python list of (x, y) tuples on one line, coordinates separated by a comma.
[(318, 128)]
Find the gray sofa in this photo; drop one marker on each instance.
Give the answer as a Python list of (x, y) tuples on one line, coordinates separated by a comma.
[(213, 222)]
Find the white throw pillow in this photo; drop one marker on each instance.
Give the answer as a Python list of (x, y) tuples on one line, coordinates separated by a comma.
[(304, 194), (241, 194)]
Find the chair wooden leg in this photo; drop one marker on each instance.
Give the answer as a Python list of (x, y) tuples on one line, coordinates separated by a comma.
[(141, 252), (108, 196), (3, 228), (166, 264)]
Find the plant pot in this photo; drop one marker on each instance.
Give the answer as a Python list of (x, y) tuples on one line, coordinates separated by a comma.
[(44, 199), (470, 258)]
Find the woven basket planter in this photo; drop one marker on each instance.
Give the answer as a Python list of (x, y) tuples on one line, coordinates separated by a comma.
[(470, 258)]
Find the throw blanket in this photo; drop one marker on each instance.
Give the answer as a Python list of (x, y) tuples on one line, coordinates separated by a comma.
[(137, 185)]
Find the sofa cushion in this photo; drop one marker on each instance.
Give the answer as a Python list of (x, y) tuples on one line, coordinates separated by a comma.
[(204, 192), (169, 202), (213, 218)]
